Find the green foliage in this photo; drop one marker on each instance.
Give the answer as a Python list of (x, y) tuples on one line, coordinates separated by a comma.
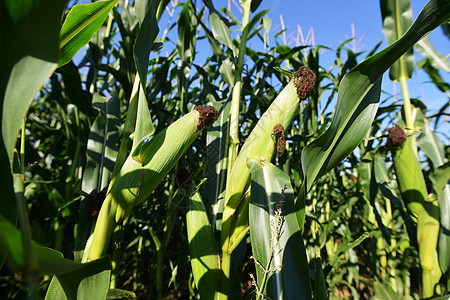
[(116, 181)]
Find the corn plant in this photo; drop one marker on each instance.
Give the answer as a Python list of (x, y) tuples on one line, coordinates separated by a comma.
[(149, 173)]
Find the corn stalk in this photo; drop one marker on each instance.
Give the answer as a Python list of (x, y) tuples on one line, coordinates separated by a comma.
[(424, 212)]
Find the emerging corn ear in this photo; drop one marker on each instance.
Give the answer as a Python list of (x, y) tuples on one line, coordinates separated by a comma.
[(265, 138), (414, 193), (144, 169)]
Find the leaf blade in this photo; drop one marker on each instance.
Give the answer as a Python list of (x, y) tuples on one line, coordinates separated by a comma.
[(81, 24)]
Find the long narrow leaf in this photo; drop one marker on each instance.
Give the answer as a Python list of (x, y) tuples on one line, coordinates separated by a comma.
[(216, 161), (278, 249), (438, 61), (397, 17), (76, 279), (29, 54), (81, 24), (144, 42), (358, 98), (221, 31), (102, 148), (101, 158), (205, 258)]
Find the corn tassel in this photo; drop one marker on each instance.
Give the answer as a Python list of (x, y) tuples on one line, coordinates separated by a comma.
[(144, 169), (414, 193)]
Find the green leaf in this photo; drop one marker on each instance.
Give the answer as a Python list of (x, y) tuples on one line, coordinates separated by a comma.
[(205, 260), (74, 90), (89, 281), (216, 157), (383, 291), (277, 244), (120, 294), (80, 25), (397, 18), (320, 288), (101, 157), (221, 31), (144, 125), (358, 98), (389, 189), (102, 144), (144, 42), (438, 61), (29, 54), (440, 178), (367, 178), (343, 248), (77, 279), (436, 78), (255, 4), (432, 146)]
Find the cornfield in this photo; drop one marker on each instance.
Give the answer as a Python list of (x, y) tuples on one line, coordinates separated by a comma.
[(228, 172)]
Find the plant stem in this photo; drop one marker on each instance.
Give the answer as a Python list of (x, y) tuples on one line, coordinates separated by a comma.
[(234, 125), (19, 188), (225, 279), (408, 112), (233, 147), (236, 97), (104, 228)]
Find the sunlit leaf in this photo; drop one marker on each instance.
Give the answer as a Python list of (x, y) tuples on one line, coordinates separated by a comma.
[(80, 25), (397, 18)]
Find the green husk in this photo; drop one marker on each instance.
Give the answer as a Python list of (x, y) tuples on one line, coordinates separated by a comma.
[(144, 169)]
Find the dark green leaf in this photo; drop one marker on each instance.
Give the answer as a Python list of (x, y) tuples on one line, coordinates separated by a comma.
[(77, 279), (255, 4)]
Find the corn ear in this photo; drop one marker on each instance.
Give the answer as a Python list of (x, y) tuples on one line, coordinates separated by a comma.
[(414, 193), (409, 174), (144, 169), (262, 143)]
